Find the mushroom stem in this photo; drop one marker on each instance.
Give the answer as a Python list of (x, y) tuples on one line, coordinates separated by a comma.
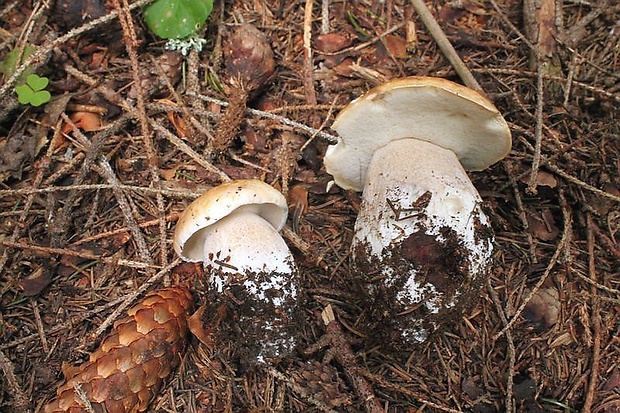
[(425, 188), (421, 229), (244, 242), (233, 229)]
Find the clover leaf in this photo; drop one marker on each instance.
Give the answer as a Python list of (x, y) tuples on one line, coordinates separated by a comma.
[(177, 19), (33, 91)]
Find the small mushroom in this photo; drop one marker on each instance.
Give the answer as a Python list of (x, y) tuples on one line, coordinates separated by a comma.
[(234, 230), (421, 235)]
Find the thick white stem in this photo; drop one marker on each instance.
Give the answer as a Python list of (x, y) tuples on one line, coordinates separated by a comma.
[(243, 242), (412, 183), (420, 227), (246, 255)]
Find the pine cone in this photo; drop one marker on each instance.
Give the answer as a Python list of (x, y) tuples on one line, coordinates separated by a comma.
[(322, 382), (125, 372), (249, 58)]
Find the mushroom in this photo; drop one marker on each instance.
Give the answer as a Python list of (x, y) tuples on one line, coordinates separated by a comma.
[(421, 235), (233, 229)]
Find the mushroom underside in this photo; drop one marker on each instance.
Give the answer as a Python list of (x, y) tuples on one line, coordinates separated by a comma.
[(432, 109)]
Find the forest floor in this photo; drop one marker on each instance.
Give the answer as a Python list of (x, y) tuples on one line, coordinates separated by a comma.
[(92, 183)]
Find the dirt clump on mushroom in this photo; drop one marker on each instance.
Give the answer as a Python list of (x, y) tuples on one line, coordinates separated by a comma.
[(430, 287), (262, 317)]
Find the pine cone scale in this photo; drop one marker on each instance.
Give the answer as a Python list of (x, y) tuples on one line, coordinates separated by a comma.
[(127, 369)]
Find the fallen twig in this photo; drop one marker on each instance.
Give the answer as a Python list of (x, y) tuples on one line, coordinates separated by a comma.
[(596, 321), (340, 349), (308, 79), (131, 297), (299, 390), (131, 45), (105, 170), (80, 254), (509, 402), (531, 186), (564, 242), (332, 139), (13, 387), (522, 214), (446, 47)]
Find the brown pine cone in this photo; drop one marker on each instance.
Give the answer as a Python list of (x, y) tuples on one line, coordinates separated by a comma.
[(126, 371), (249, 58)]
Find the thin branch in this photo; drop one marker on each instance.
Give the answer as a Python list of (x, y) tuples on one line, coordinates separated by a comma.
[(537, 129), (63, 326), (183, 147), (168, 218), (308, 74), (596, 321), (91, 187), (39, 324), (324, 16), (105, 170), (13, 387), (446, 47), (582, 184), (131, 43), (332, 139), (299, 390), (340, 349), (80, 254), (60, 223), (510, 408), (522, 214), (109, 94), (131, 297), (564, 241)]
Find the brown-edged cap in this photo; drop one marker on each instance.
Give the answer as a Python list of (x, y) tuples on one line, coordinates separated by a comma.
[(431, 109)]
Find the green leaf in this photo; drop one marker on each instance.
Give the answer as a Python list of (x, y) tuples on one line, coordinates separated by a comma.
[(12, 60), (37, 83), (176, 19), (32, 92)]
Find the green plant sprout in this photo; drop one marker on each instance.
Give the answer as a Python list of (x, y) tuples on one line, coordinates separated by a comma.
[(178, 21), (14, 59), (30, 87), (358, 28), (33, 91)]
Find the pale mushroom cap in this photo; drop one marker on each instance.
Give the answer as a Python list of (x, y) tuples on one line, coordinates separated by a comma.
[(426, 108), (217, 203)]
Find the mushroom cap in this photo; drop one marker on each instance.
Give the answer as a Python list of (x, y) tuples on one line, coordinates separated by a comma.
[(250, 195), (431, 109)]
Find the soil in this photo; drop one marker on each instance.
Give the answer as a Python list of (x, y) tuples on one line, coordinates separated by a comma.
[(93, 182)]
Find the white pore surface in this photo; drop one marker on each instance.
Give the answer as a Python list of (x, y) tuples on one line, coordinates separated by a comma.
[(430, 109), (242, 243), (398, 175)]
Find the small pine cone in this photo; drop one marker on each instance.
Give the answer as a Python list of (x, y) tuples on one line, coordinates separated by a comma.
[(125, 372), (322, 382), (249, 58)]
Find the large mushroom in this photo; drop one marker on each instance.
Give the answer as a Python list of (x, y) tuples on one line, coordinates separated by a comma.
[(421, 236), (233, 229)]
